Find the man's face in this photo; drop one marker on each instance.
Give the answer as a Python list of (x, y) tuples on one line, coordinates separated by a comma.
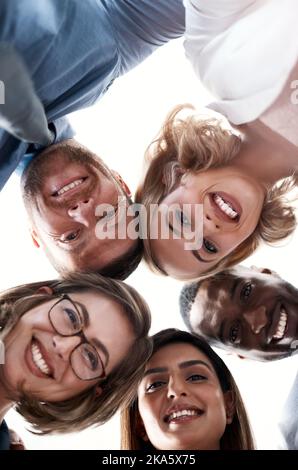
[(252, 312), (61, 194)]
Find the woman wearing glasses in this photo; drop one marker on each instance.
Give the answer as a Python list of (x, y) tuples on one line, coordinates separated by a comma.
[(66, 350), (187, 400)]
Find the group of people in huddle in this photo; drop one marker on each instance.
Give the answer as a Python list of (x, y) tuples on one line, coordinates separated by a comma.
[(78, 349)]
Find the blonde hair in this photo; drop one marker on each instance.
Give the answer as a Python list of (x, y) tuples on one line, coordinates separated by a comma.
[(192, 144), (87, 408), (237, 435)]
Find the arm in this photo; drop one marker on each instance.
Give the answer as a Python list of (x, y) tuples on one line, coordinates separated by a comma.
[(21, 112), (141, 26), (289, 421)]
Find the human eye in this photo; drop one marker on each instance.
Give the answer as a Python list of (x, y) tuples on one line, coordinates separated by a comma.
[(90, 357), (246, 291), (234, 333), (72, 318), (70, 236), (196, 378), (182, 218), (209, 246), (152, 387)]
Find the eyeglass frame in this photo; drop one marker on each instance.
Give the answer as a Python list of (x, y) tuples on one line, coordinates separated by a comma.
[(80, 334)]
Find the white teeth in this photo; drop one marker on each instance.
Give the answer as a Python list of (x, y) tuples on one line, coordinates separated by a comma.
[(39, 360), (225, 207), (178, 414), (281, 326), (70, 186)]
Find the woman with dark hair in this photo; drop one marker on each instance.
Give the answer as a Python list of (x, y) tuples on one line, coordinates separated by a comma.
[(72, 350), (187, 400)]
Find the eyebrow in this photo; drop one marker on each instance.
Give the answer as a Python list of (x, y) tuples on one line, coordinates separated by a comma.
[(233, 289), (182, 365), (221, 331), (77, 248), (196, 255), (194, 252), (94, 341)]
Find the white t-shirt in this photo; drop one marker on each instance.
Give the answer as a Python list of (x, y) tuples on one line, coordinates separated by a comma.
[(243, 51)]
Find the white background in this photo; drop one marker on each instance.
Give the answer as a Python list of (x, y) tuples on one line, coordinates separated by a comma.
[(119, 128)]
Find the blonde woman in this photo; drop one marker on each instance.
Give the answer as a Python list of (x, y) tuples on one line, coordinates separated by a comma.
[(240, 180)]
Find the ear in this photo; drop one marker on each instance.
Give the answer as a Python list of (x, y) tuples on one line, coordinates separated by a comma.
[(34, 237), (265, 271), (229, 406), (232, 353), (122, 183), (45, 290), (98, 391)]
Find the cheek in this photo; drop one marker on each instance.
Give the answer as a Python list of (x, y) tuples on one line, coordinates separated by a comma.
[(217, 411), (149, 411), (63, 391)]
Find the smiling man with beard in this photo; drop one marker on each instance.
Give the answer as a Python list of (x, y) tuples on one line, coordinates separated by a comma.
[(250, 311), (57, 57), (63, 189)]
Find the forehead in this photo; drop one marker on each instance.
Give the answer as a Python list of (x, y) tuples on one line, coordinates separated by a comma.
[(210, 299), (174, 354)]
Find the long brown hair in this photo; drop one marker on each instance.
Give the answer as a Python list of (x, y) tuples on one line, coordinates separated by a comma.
[(87, 408), (191, 143), (237, 435)]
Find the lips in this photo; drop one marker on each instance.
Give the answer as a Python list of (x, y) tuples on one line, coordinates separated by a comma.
[(38, 361), (226, 207), (279, 325), (182, 414), (69, 186)]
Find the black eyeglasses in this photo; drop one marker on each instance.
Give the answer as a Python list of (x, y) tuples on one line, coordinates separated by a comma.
[(84, 359)]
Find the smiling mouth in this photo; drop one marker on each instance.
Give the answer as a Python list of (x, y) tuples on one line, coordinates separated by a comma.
[(226, 206), (281, 325), (68, 187), (183, 415), (39, 360)]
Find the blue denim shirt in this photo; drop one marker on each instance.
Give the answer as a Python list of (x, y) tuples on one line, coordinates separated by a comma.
[(75, 49)]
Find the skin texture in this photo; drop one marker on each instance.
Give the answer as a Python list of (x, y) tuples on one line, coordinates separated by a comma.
[(107, 324), (67, 226), (175, 383), (221, 235), (242, 312)]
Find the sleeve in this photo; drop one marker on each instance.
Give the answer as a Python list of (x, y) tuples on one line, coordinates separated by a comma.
[(21, 112), (142, 26), (289, 421), (233, 46), (206, 19)]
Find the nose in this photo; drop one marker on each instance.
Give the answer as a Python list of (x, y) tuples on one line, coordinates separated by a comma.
[(64, 345), (256, 318), (176, 388), (211, 224), (82, 211)]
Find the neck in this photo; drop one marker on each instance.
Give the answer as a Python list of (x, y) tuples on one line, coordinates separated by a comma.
[(265, 155)]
